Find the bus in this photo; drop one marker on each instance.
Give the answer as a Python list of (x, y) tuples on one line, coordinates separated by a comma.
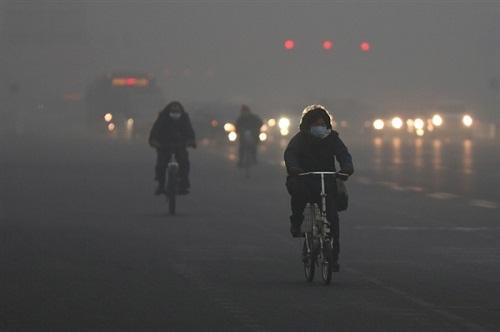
[(123, 103)]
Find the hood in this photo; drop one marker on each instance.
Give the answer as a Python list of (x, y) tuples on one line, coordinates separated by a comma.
[(173, 105), (312, 112)]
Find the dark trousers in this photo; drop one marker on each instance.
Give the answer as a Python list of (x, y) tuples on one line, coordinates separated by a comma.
[(162, 159), (307, 189), (249, 148)]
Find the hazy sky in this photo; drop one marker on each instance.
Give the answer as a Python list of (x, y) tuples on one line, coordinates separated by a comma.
[(422, 51)]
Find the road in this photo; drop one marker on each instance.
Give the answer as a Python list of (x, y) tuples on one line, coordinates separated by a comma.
[(85, 246)]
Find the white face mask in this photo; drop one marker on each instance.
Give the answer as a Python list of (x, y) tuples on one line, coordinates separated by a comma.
[(175, 115), (320, 131)]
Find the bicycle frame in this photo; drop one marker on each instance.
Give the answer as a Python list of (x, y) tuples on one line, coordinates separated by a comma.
[(172, 170), (321, 236), (324, 234), (172, 163)]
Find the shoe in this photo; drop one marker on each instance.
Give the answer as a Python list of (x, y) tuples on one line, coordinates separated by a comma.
[(296, 231), (160, 190)]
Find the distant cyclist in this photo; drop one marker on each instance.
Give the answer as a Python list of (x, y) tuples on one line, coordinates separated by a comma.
[(248, 130), (172, 132), (315, 148)]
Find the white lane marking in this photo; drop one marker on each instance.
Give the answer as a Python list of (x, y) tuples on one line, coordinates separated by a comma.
[(442, 195), (483, 204), (392, 185), (397, 187), (420, 302), (416, 189), (429, 228)]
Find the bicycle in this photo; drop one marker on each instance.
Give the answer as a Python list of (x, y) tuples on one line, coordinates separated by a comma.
[(247, 157), (172, 181), (318, 243)]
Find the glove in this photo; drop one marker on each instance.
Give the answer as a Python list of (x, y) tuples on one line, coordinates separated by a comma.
[(295, 170), (342, 175), (191, 144)]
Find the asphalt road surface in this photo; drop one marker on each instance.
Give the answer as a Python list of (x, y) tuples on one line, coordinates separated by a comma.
[(85, 246)]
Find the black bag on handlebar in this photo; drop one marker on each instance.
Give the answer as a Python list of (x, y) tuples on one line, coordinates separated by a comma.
[(342, 199)]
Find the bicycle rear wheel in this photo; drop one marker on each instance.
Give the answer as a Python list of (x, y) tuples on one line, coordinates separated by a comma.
[(171, 204), (309, 262), (326, 264), (246, 163)]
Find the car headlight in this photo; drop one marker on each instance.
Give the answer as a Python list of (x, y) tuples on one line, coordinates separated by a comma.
[(437, 120), (418, 123), (229, 127), (232, 136), (397, 123), (467, 120), (378, 124), (284, 123)]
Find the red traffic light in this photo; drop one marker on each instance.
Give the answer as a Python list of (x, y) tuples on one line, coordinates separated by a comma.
[(327, 45), (365, 46), (289, 44)]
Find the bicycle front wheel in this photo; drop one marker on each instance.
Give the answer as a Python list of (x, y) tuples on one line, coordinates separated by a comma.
[(171, 191)]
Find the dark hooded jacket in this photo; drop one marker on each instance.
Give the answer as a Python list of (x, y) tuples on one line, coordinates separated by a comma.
[(249, 121), (306, 153), (167, 131)]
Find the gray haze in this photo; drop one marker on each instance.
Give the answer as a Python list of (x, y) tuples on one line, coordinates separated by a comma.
[(90, 241), (423, 53)]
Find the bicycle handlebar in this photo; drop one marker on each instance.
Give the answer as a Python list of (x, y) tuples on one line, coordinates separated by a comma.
[(323, 173)]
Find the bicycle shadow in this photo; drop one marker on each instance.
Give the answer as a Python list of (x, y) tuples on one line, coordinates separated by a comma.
[(338, 283), (164, 215)]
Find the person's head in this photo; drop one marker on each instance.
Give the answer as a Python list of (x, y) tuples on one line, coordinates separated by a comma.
[(315, 116), (244, 110), (174, 110), (318, 121)]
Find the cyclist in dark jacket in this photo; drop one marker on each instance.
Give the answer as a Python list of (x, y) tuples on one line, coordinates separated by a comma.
[(248, 130), (315, 148), (172, 132)]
